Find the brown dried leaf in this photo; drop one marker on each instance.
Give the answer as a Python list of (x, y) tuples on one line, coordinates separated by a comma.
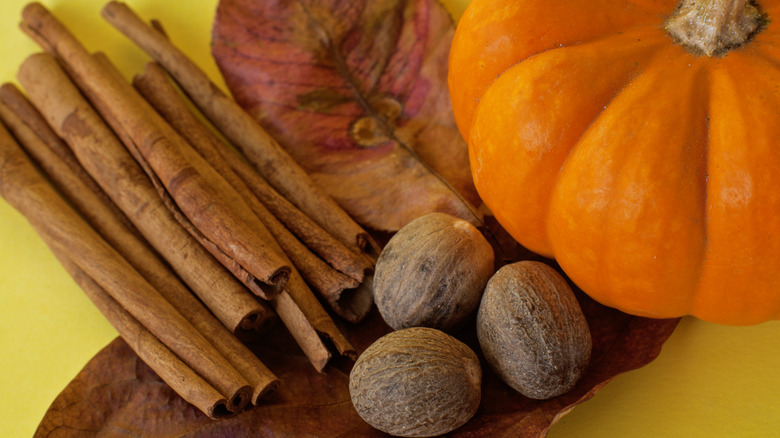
[(349, 88), (116, 391)]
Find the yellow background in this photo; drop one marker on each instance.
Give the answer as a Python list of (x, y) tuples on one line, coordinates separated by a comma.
[(709, 381)]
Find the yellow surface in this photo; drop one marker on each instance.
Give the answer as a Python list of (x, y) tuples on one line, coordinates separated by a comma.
[(709, 381)]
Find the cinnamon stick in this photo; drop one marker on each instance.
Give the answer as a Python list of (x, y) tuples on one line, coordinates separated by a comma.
[(286, 307), (111, 224), (20, 112), (296, 306), (271, 160), (199, 201), (342, 292), (117, 173), (27, 191), (343, 259), (152, 85), (149, 135), (114, 75), (210, 175), (299, 293), (175, 373)]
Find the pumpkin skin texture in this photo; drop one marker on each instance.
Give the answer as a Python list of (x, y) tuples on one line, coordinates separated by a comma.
[(651, 174)]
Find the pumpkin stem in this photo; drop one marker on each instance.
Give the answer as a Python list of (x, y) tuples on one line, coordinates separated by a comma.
[(712, 27)]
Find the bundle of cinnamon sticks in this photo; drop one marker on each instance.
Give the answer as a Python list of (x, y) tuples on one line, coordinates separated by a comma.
[(181, 238)]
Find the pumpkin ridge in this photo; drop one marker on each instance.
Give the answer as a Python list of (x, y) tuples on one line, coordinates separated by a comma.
[(706, 195), (743, 186), (662, 51), (595, 211), (542, 138), (473, 32), (762, 53), (596, 39), (627, 84), (576, 144)]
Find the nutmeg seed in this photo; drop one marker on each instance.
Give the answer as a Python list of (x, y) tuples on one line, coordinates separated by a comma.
[(416, 382), (532, 331), (432, 273)]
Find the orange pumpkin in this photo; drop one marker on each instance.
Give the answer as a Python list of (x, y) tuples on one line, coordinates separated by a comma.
[(647, 167)]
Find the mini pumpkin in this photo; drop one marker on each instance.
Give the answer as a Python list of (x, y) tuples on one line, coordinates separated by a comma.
[(636, 142)]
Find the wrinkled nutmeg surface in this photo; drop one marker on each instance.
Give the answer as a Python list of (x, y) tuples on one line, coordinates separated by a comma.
[(416, 382), (532, 331), (432, 273)]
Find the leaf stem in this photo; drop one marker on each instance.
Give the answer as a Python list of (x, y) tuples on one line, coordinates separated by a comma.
[(327, 40)]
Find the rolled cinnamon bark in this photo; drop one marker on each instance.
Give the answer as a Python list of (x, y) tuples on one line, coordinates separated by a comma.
[(296, 306), (298, 290), (117, 173), (201, 203), (162, 95), (134, 120), (113, 74), (20, 113), (111, 224), (67, 233), (272, 161), (175, 373), (342, 292)]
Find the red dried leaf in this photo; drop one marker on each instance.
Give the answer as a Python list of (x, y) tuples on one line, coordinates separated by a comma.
[(116, 391), (348, 88)]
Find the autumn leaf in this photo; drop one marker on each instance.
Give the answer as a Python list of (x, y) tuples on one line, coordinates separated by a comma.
[(116, 391), (357, 93)]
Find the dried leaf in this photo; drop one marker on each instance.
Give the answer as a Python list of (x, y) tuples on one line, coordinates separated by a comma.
[(116, 391), (349, 88)]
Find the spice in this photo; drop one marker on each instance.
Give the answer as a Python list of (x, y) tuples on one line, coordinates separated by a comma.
[(25, 189), (115, 229), (432, 273), (416, 382), (114, 169), (532, 330), (249, 257), (156, 146), (339, 289)]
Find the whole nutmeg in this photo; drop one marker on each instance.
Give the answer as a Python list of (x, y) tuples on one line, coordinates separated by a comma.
[(432, 273), (416, 382), (532, 331)]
